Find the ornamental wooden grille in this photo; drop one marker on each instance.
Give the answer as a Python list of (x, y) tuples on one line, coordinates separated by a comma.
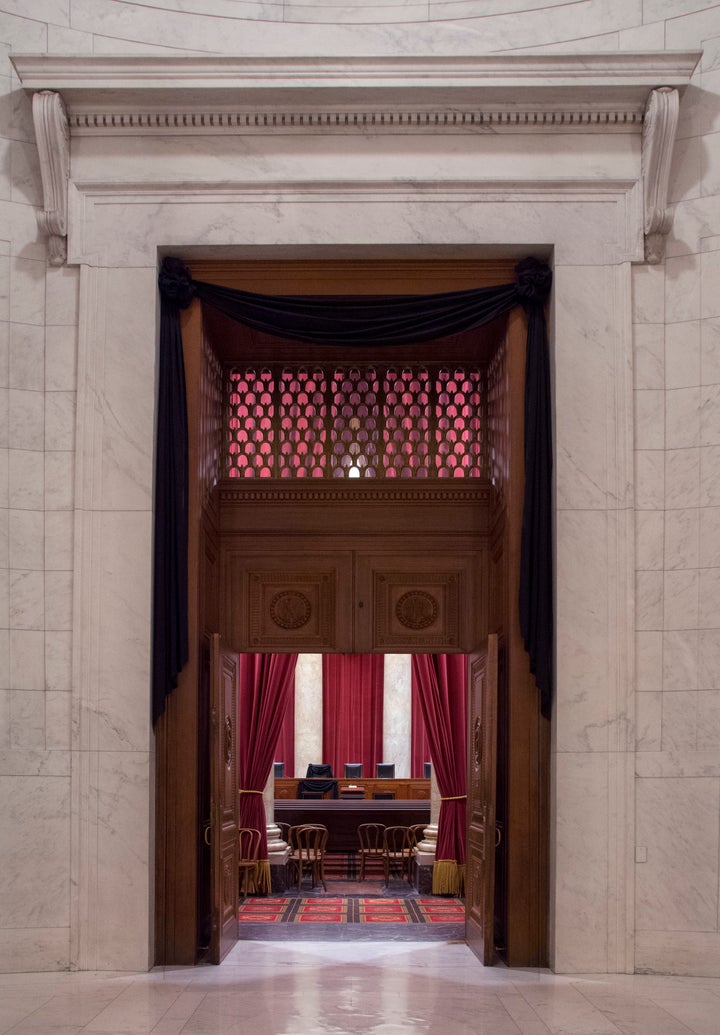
[(355, 421)]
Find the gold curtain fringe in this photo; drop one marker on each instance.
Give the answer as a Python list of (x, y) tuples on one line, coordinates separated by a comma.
[(448, 877), (262, 877)]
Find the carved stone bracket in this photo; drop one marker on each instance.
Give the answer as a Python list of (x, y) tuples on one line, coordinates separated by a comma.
[(53, 141), (661, 118)]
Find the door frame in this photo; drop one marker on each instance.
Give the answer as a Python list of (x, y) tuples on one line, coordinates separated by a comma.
[(178, 750)]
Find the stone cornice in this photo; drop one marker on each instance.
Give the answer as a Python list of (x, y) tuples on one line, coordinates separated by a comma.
[(153, 94), (77, 75), (150, 96)]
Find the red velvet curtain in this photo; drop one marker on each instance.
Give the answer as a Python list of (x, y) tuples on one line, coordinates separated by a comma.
[(265, 682), (285, 750), (419, 743), (353, 710), (442, 682)]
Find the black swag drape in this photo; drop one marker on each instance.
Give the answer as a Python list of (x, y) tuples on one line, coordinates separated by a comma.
[(393, 320)]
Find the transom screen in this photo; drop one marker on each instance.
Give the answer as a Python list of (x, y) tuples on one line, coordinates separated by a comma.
[(355, 421)]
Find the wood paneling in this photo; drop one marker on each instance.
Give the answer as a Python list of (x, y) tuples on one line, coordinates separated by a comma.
[(427, 601), (224, 798), (523, 734), (413, 790), (481, 784), (297, 599)]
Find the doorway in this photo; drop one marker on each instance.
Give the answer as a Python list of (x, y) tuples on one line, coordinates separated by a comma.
[(343, 542)]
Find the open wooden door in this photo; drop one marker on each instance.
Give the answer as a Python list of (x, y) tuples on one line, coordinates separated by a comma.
[(224, 799), (482, 762)]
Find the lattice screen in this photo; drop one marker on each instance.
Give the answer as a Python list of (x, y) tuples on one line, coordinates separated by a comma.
[(497, 419), (211, 421), (355, 422)]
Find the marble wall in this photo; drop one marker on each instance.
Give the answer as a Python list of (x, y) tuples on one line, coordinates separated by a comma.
[(75, 740)]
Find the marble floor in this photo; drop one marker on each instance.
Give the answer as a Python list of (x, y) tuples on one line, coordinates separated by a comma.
[(378, 988)]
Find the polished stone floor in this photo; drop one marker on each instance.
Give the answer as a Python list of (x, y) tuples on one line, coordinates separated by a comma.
[(343, 988), (376, 988)]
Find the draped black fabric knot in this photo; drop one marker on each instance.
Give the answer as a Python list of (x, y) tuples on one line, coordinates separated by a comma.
[(534, 280), (175, 282)]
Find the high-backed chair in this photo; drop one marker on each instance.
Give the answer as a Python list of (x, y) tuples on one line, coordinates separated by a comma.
[(278, 770), (427, 770), (318, 778), (397, 852), (319, 769), (385, 771), (248, 852), (353, 770), (370, 836)]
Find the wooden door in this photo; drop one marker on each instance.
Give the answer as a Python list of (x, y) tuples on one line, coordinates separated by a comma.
[(223, 799), (482, 761)]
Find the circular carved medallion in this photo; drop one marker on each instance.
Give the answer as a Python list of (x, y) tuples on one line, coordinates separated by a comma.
[(290, 609), (416, 609)]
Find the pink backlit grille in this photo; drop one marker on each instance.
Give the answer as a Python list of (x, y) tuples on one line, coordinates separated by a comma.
[(302, 451), (355, 422), (251, 419), (407, 426), (459, 424), (355, 419)]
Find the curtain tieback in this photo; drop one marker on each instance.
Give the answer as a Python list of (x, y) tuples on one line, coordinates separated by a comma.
[(250, 792), (457, 797)]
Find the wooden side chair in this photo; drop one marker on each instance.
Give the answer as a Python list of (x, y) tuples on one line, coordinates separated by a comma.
[(308, 846), (370, 836), (248, 853), (397, 852), (417, 832)]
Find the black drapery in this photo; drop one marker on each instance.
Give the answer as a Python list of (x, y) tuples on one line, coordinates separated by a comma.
[(357, 321)]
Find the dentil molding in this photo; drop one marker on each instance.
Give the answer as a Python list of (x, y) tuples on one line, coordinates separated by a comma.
[(150, 96)]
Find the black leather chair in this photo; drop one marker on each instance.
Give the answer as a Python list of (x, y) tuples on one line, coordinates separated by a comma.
[(385, 771), (353, 770), (427, 770), (279, 770)]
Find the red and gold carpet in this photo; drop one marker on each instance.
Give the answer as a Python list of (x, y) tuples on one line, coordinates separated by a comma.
[(352, 910)]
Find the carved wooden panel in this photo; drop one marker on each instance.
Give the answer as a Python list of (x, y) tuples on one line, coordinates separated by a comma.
[(420, 603), (289, 602)]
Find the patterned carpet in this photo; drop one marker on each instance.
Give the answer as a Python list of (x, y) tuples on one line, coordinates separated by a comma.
[(352, 910)]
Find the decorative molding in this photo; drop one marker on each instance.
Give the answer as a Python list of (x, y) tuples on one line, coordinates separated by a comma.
[(290, 609), (302, 604), (53, 142), (188, 122), (296, 492), (660, 124), (151, 96), (395, 595), (416, 609), (80, 77)]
